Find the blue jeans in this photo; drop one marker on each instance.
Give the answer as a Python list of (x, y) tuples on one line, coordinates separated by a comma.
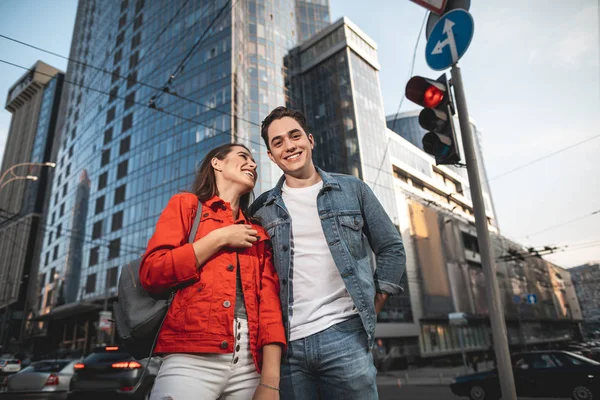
[(333, 364)]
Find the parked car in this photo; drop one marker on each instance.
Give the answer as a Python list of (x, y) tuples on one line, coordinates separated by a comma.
[(10, 366), (537, 374), (46, 379), (112, 373)]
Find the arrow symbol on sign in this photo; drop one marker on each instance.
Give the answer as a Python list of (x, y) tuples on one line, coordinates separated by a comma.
[(449, 41)]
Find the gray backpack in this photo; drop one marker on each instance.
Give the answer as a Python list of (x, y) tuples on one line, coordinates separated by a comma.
[(139, 315)]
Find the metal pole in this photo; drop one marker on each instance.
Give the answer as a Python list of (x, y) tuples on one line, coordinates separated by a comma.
[(507, 383), (462, 349)]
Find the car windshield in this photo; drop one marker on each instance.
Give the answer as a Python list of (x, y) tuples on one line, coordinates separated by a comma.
[(12, 362), (47, 366), (109, 356)]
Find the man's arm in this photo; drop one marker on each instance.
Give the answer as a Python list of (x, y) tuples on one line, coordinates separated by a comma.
[(386, 243)]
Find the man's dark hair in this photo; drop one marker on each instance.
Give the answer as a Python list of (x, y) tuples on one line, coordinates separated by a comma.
[(279, 113)]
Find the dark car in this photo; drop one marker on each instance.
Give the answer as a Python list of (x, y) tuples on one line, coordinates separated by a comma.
[(537, 374), (112, 373), (46, 379)]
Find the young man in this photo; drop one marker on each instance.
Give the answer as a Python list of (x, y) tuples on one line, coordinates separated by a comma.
[(319, 223)]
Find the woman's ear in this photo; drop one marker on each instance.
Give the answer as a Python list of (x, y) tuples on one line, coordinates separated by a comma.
[(216, 164)]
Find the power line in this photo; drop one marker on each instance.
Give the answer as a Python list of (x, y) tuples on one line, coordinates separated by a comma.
[(543, 157), (412, 67), (563, 223)]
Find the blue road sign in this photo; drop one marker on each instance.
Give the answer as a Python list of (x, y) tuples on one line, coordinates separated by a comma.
[(531, 298), (449, 39), (517, 299)]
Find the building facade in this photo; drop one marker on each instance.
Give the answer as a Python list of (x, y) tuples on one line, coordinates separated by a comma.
[(585, 280), (153, 86), (34, 103)]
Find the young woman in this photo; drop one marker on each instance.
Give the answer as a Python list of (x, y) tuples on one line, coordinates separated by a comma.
[(224, 326)]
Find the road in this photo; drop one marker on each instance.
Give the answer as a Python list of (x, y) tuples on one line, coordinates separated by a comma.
[(390, 392)]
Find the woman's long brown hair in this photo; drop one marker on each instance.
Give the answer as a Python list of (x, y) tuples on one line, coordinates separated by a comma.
[(205, 183)]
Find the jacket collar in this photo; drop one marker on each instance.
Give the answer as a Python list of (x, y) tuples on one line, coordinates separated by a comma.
[(329, 182), (215, 204)]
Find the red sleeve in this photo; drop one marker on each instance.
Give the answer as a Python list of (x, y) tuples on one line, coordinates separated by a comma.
[(270, 324), (169, 259)]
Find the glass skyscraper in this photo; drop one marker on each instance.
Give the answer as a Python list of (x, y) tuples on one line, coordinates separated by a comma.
[(152, 86)]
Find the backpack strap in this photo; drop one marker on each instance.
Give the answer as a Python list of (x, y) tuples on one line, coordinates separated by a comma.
[(194, 230)]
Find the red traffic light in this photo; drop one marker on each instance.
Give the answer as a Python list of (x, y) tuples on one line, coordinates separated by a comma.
[(432, 97), (426, 92)]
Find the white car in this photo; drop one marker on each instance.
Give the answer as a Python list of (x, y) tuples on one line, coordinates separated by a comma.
[(10, 366)]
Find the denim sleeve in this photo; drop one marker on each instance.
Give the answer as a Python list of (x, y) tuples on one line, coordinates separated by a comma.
[(386, 243)]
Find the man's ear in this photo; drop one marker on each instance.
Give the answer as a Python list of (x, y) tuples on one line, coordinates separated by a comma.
[(216, 164), (271, 156), (311, 139)]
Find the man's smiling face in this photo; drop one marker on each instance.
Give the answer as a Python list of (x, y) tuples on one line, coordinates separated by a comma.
[(290, 147)]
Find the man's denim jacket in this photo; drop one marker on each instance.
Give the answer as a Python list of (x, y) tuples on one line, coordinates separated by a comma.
[(350, 213)]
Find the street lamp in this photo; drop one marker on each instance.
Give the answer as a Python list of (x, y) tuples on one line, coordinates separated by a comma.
[(25, 164), (18, 178)]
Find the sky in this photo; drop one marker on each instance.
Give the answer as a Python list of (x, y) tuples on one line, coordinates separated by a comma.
[(532, 81)]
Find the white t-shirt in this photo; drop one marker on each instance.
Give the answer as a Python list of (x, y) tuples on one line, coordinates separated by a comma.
[(320, 298)]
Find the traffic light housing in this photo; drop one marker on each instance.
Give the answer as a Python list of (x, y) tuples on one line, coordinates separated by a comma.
[(436, 117)]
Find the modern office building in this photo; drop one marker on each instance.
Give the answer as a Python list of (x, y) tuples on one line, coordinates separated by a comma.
[(24, 187), (153, 86), (586, 279)]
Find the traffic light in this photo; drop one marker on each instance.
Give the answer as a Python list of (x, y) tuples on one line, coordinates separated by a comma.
[(436, 117)]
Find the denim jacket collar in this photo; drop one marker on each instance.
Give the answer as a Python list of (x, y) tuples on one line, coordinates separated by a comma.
[(329, 182)]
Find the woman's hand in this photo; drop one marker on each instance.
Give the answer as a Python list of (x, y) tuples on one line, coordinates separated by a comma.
[(237, 236), (264, 392)]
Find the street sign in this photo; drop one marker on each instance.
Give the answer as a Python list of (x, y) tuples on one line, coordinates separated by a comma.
[(531, 298), (517, 299), (105, 322), (435, 6), (458, 318), (450, 5), (449, 39)]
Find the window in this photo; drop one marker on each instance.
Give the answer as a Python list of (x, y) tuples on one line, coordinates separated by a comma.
[(138, 22), (59, 180), (65, 188), (94, 255), (113, 94), (118, 56), (124, 145), (50, 238), (110, 115), (108, 134), (103, 181), (114, 248), (47, 259), (55, 199), (73, 133), (111, 277), (58, 230), (131, 79), (97, 230), (115, 75), (105, 157), (68, 170), (62, 210), (99, 204), (120, 38), (71, 150), (127, 123), (124, 5), (120, 194), (53, 218), (117, 221), (136, 40), (543, 361), (129, 100), (139, 4), (53, 275), (122, 21), (134, 59), (55, 253), (122, 169), (90, 284)]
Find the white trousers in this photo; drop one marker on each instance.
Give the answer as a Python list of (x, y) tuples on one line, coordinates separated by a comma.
[(211, 376)]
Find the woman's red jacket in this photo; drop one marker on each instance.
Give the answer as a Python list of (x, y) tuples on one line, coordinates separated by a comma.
[(201, 317)]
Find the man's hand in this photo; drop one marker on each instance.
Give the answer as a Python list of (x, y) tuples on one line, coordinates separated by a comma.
[(380, 299)]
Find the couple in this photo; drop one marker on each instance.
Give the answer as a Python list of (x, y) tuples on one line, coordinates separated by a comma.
[(285, 309)]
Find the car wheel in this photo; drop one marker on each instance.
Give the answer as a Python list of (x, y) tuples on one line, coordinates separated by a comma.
[(582, 393), (481, 393)]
